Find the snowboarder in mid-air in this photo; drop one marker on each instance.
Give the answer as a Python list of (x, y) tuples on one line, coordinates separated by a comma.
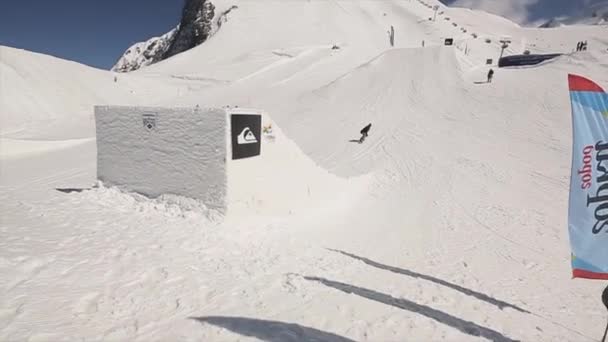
[(364, 133), (490, 75)]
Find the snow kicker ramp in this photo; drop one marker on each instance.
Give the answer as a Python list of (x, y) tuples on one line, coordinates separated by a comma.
[(235, 161)]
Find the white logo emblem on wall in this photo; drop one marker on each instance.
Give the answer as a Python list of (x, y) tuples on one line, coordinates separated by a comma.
[(246, 137), (149, 121)]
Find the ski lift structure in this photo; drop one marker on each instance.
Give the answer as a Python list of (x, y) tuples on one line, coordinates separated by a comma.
[(504, 41)]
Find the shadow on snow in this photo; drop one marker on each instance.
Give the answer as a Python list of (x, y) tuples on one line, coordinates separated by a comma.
[(466, 327), (270, 331), (481, 296)]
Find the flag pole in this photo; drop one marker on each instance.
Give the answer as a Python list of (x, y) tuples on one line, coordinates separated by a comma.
[(605, 300)]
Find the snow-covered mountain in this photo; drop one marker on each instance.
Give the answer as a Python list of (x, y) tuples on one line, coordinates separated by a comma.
[(596, 14), (145, 53), (196, 25)]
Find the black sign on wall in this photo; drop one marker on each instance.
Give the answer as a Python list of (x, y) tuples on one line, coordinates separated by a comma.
[(449, 41), (246, 135)]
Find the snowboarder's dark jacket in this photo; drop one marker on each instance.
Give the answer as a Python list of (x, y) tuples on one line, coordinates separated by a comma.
[(366, 129)]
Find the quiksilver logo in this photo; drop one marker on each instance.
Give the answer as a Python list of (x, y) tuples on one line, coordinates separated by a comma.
[(246, 137), (600, 198), (149, 121)]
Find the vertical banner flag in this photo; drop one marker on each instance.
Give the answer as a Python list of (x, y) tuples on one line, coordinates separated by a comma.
[(588, 204)]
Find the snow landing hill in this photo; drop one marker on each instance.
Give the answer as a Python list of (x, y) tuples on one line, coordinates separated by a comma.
[(453, 226)]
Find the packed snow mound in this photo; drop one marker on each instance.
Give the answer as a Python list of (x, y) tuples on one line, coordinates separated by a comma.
[(167, 205), (282, 180)]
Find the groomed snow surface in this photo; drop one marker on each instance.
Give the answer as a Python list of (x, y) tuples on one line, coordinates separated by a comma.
[(447, 223)]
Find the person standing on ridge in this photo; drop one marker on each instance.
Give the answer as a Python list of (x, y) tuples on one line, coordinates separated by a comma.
[(364, 132), (490, 75), (391, 36)]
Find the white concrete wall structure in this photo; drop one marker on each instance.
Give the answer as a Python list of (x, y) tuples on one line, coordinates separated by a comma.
[(188, 152), (155, 151)]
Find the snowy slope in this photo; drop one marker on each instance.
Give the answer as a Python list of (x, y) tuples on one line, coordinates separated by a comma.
[(303, 26), (457, 231), (46, 97)]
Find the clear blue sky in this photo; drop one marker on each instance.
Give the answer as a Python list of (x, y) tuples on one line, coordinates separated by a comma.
[(93, 32)]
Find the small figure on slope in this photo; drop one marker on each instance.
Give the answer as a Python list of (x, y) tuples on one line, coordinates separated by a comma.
[(490, 75), (364, 133)]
